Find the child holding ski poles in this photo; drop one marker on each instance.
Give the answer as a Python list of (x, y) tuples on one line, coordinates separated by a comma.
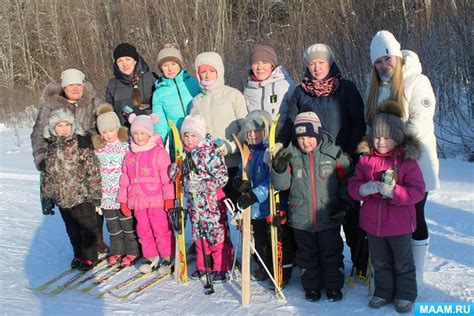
[(205, 174), (110, 147), (389, 182), (315, 171), (146, 189), (72, 182)]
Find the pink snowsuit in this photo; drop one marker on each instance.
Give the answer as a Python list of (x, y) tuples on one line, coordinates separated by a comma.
[(145, 186)]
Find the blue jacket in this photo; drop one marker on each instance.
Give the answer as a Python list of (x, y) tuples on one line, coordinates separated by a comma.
[(259, 173), (172, 100)]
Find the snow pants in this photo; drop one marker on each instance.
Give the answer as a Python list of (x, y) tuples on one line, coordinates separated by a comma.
[(123, 240), (154, 232), (81, 227), (394, 269), (320, 257), (221, 255)]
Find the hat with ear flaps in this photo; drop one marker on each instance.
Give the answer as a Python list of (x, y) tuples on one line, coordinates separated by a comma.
[(388, 122), (57, 116), (257, 120)]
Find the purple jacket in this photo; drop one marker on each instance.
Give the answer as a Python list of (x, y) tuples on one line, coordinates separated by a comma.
[(145, 182), (389, 217)]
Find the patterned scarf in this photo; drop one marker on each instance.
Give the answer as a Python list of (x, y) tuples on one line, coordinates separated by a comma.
[(321, 87)]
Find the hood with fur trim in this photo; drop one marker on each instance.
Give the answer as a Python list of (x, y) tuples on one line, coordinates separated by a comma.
[(410, 148)]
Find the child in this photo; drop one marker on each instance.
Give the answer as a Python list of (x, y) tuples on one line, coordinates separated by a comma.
[(110, 147), (205, 174), (317, 203), (388, 210), (72, 182), (146, 188), (254, 192)]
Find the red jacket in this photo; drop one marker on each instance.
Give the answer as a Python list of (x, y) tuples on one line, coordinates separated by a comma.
[(389, 217)]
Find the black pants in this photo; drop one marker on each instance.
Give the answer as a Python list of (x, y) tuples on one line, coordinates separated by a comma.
[(229, 187), (356, 239), (320, 257), (261, 231), (394, 269), (123, 239), (421, 232), (100, 223), (81, 227)]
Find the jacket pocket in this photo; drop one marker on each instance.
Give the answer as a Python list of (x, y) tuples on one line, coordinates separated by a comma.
[(298, 213)]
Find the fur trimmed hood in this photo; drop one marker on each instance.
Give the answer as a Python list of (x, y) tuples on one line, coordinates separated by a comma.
[(99, 143), (410, 148), (53, 95)]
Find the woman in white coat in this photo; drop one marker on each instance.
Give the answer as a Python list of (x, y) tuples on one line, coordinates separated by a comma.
[(397, 75)]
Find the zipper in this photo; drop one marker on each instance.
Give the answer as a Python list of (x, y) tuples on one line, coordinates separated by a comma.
[(179, 95), (263, 98), (313, 189)]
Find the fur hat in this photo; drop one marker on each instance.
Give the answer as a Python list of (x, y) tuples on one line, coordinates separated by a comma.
[(106, 118), (383, 44), (169, 53), (57, 116), (256, 120), (264, 53), (388, 122), (308, 124), (318, 51), (194, 124), (143, 123), (125, 49), (72, 76)]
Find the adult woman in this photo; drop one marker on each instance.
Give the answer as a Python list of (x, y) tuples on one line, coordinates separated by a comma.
[(74, 93), (174, 91), (339, 106), (131, 88), (396, 75)]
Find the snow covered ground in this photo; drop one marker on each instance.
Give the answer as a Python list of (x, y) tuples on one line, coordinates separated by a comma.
[(35, 248)]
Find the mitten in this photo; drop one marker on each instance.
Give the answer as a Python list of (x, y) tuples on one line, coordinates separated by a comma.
[(246, 200), (169, 204), (241, 185), (267, 156), (173, 171), (47, 206), (368, 188), (278, 219), (282, 159), (84, 141), (196, 186), (125, 210)]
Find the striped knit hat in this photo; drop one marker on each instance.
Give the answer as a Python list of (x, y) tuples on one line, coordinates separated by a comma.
[(308, 124)]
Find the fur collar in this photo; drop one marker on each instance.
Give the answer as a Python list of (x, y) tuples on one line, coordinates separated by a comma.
[(99, 143), (53, 95), (411, 149)]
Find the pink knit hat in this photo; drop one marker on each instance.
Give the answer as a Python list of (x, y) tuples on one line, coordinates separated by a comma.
[(143, 123), (195, 125)]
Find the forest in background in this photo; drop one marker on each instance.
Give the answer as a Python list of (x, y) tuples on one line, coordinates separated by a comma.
[(40, 38)]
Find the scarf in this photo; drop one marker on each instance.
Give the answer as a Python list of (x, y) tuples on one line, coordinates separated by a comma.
[(321, 87)]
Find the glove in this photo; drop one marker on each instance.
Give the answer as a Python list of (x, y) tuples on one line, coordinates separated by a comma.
[(387, 190), (282, 158), (241, 185), (277, 220), (342, 207), (196, 186), (267, 157), (125, 210), (169, 204), (47, 206), (368, 188), (246, 200), (173, 171), (42, 165), (222, 149), (84, 141)]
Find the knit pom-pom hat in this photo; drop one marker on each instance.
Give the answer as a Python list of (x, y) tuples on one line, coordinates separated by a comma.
[(194, 124), (143, 123)]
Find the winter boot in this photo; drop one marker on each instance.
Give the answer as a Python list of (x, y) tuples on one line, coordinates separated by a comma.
[(334, 295), (115, 259), (197, 275), (219, 277), (165, 266), (149, 265), (128, 260), (259, 275), (86, 265), (420, 249), (313, 295), (101, 246), (75, 263), (403, 306), (377, 302)]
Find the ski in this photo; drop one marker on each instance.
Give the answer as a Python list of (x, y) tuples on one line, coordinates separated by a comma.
[(155, 280), (94, 275), (70, 281), (180, 267), (106, 276), (245, 278), (275, 230)]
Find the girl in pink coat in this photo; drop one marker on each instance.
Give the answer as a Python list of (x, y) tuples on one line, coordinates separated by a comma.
[(389, 183), (146, 188)]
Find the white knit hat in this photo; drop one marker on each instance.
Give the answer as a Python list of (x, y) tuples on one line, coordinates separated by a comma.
[(318, 51), (194, 124), (72, 76), (384, 44)]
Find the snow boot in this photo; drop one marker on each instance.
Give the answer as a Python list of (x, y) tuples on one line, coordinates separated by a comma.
[(101, 246), (165, 266), (377, 302), (86, 265), (114, 259), (197, 275), (313, 295), (219, 277), (334, 295), (75, 263), (420, 250), (403, 306), (259, 275), (149, 265), (128, 260)]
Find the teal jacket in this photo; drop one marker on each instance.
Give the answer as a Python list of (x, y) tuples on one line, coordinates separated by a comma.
[(172, 100), (316, 182)]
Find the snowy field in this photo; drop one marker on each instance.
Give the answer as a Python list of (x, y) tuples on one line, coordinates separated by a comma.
[(35, 248)]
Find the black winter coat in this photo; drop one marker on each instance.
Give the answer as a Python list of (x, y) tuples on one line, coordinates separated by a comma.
[(119, 89)]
